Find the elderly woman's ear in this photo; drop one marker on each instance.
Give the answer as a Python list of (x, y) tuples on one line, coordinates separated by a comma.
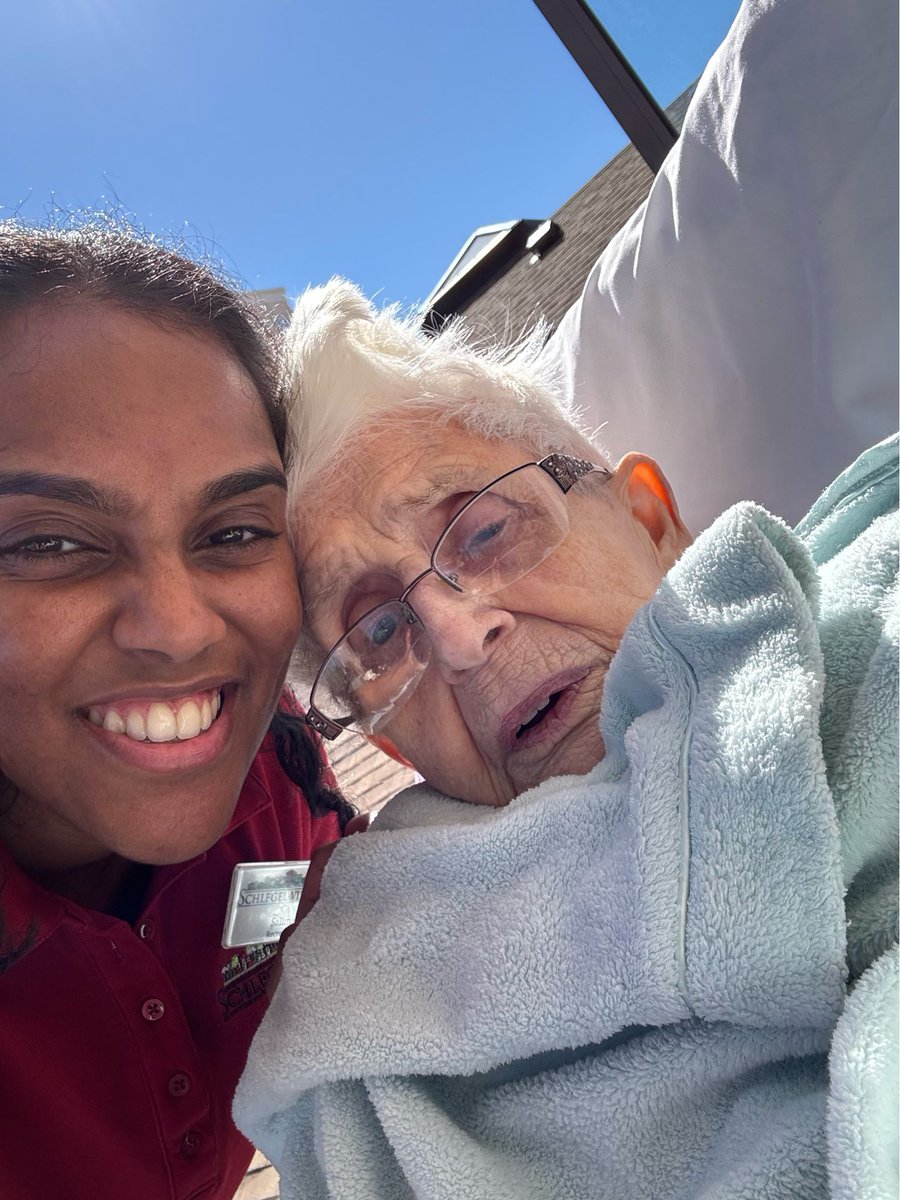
[(640, 485)]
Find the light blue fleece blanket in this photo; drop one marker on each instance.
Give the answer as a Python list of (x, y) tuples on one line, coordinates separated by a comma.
[(626, 984)]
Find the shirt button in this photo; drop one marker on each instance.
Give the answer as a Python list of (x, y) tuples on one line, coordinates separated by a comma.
[(147, 930), (191, 1143), (153, 1009), (179, 1084)]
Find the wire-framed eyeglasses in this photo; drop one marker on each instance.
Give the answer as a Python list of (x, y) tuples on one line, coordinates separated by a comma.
[(498, 536)]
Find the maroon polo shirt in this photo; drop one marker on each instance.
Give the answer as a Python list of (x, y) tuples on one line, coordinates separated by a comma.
[(122, 1044)]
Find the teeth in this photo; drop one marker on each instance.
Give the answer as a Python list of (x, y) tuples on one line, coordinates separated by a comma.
[(162, 723), (135, 727), (540, 708), (113, 722), (188, 721)]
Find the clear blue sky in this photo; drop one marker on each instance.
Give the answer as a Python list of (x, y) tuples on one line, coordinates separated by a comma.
[(296, 139)]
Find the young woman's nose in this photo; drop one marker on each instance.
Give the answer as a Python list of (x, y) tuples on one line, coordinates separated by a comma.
[(165, 612), (464, 630)]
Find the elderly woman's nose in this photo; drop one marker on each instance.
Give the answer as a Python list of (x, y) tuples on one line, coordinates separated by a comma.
[(165, 610), (463, 629)]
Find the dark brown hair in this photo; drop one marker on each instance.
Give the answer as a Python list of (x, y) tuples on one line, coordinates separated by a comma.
[(103, 261)]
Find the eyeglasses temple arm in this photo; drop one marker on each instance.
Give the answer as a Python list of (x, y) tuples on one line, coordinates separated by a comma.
[(324, 726)]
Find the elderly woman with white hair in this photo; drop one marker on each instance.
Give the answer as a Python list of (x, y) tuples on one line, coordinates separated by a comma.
[(587, 958), (399, 439)]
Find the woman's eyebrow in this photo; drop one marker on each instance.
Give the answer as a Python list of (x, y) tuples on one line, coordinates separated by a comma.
[(67, 488), (439, 486), (314, 602), (112, 503), (236, 483)]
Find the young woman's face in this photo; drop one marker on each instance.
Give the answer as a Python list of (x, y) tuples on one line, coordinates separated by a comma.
[(148, 597)]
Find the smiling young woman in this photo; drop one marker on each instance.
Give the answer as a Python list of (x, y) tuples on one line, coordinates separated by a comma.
[(148, 610)]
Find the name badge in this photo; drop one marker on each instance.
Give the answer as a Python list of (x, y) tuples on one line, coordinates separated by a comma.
[(262, 902)]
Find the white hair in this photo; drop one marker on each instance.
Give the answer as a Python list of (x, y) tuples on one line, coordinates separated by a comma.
[(350, 366)]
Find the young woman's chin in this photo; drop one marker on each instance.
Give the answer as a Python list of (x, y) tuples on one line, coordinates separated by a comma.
[(168, 846), (175, 825)]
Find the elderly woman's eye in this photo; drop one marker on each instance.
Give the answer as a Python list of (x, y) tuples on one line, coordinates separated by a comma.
[(482, 530), (383, 629), (485, 534)]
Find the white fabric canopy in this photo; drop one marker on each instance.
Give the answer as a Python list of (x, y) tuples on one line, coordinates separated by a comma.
[(742, 327)]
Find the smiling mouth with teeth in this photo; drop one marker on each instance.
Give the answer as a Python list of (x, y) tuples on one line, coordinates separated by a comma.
[(539, 713), (160, 721)]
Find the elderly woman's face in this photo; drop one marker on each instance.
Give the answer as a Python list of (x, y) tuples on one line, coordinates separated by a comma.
[(512, 692)]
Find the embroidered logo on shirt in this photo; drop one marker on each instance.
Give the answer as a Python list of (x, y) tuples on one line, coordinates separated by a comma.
[(245, 976)]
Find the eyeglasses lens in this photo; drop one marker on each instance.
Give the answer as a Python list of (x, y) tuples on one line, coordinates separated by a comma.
[(503, 533), (373, 667)]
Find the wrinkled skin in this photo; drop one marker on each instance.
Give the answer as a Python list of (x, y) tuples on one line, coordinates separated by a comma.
[(494, 657), (169, 594)]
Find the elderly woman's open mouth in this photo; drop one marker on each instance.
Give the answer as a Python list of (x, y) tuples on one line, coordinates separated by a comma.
[(543, 716)]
